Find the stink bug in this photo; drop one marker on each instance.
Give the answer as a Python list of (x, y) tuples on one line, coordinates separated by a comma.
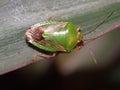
[(56, 36)]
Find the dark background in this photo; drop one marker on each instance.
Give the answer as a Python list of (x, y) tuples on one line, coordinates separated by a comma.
[(25, 78)]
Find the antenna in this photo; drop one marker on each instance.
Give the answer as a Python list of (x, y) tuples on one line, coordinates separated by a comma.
[(93, 29)]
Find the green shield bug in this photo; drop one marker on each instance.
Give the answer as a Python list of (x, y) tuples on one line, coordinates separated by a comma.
[(57, 36), (54, 36)]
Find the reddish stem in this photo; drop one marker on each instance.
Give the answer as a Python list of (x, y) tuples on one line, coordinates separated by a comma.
[(104, 33)]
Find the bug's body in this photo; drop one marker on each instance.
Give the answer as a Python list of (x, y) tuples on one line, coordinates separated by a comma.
[(54, 36)]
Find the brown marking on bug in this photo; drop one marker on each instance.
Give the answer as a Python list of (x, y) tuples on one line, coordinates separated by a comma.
[(38, 34), (34, 34), (58, 45)]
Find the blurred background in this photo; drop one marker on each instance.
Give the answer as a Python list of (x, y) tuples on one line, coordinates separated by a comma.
[(67, 71)]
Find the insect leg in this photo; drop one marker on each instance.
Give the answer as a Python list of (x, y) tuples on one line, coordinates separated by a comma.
[(42, 56), (92, 54), (79, 27), (80, 44)]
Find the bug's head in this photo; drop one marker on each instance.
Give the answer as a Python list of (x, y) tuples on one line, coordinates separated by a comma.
[(34, 34)]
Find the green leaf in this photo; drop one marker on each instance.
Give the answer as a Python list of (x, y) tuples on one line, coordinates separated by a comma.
[(16, 16)]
